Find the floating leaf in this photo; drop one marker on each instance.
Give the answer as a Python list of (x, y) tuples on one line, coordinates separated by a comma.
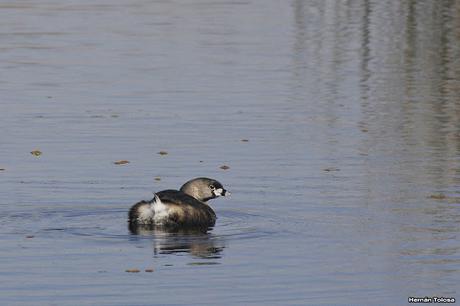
[(157, 178), (438, 196), (121, 162), (132, 270), (36, 153), (30, 236), (163, 153), (149, 270), (224, 167)]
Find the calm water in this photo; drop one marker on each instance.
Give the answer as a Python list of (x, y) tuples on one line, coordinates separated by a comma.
[(346, 192)]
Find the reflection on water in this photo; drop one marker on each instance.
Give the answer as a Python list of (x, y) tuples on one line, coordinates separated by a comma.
[(379, 83), (199, 243)]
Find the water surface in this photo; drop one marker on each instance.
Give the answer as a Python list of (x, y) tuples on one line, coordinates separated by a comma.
[(346, 192)]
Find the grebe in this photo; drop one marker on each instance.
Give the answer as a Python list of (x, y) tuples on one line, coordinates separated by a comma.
[(180, 208)]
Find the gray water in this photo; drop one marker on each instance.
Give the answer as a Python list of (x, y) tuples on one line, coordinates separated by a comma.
[(346, 192)]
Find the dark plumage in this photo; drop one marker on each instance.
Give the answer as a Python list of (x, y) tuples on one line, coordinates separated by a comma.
[(180, 208), (186, 210)]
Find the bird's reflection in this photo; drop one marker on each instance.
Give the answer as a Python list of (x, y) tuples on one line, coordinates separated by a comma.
[(195, 241)]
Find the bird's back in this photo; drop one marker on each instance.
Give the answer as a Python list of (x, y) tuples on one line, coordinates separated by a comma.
[(185, 210)]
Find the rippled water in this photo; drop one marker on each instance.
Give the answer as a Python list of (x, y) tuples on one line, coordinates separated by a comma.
[(346, 192)]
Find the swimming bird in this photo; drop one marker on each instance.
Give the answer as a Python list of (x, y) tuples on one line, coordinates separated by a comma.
[(186, 207)]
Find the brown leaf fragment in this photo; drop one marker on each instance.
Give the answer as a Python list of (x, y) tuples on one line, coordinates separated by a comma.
[(132, 270), (224, 167), (438, 196), (163, 153), (36, 152), (121, 162), (150, 270)]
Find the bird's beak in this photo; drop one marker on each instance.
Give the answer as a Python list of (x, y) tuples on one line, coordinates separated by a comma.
[(221, 192)]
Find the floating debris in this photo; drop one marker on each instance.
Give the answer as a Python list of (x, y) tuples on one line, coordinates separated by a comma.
[(438, 196), (2, 169), (168, 265), (157, 178), (244, 140), (30, 236), (364, 130), (201, 161), (163, 153), (224, 167), (331, 169), (149, 270), (114, 116), (132, 270), (121, 162), (36, 152)]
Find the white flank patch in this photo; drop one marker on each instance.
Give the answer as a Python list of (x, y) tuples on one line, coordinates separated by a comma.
[(145, 214), (161, 211)]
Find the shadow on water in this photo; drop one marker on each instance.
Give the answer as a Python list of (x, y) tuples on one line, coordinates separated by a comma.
[(197, 242)]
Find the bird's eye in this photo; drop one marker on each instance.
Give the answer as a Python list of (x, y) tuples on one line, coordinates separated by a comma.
[(212, 187)]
